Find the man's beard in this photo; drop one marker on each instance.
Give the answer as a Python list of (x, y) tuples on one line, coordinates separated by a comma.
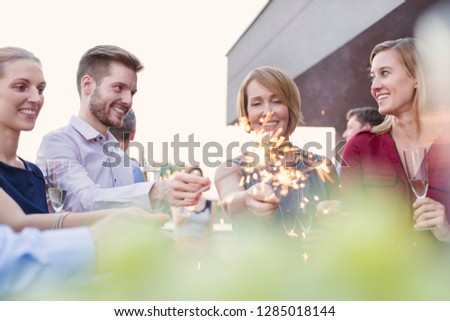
[(99, 109)]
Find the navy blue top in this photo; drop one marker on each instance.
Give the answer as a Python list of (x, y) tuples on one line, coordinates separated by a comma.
[(25, 186)]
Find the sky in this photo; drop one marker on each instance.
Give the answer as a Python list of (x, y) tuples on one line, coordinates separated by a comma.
[(182, 44)]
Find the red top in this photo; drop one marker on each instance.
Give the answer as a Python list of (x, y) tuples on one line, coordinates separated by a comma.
[(373, 170)]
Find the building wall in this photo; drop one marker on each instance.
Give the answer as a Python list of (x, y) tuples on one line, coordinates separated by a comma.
[(295, 35), (341, 81), (325, 46)]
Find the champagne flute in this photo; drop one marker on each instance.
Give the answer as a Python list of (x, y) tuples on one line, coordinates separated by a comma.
[(57, 179), (417, 171)]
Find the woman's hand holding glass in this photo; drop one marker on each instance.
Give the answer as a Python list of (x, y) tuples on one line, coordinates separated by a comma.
[(430, 215), (416, 167)]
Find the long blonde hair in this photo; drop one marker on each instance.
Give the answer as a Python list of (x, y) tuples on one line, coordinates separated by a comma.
[(411, 54)]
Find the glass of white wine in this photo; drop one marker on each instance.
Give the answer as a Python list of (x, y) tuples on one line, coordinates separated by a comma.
[(416, 166), (57, 179), (152, 173)]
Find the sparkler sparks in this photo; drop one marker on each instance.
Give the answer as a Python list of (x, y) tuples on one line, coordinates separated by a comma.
[(305, 256), (273, 163)]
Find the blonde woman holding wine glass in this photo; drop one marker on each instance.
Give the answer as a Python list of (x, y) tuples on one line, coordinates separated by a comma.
[(22, 184), (375, 167)]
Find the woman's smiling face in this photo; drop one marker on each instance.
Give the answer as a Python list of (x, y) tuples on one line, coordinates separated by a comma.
[(392, 86), (265, 110), (21, 94)]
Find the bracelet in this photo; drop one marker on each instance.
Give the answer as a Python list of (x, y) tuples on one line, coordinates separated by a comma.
[(57, 224)]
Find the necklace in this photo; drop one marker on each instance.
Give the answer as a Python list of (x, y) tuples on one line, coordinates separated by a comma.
[(290, 232)]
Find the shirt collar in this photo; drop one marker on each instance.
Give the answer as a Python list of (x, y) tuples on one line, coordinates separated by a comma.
[(89, 132)]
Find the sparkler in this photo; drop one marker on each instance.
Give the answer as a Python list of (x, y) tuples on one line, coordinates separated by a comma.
[(271, 156), (267, 164)]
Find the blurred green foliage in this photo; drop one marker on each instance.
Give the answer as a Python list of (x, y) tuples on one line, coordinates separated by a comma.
[(351, 259)]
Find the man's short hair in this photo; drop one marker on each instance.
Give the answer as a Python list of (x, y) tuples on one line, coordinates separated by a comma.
[(96, 61), (366, 115)]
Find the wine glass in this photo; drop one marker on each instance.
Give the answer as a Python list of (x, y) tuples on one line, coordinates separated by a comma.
[(152, 173), (417, 171), (57, 178)]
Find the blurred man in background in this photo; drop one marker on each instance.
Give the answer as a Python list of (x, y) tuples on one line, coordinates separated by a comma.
[(124, 136), (361, 118)]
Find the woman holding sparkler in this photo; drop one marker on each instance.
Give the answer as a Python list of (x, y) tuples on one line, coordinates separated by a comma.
[(286, 181)]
